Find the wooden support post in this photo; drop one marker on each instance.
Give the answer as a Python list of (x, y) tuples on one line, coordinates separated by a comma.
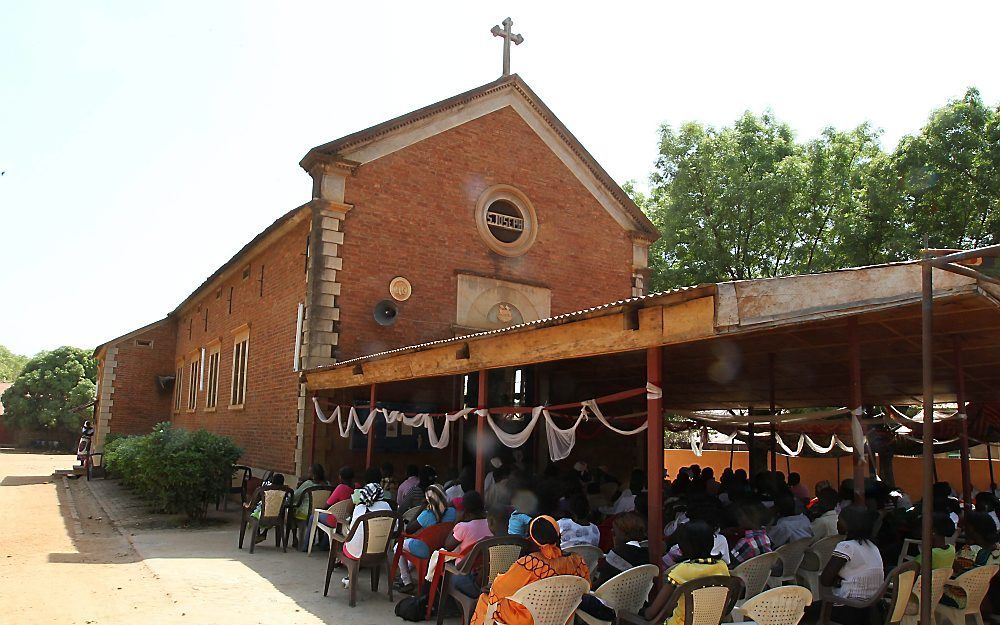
[(854, 344), (774, 411), (989, 461), (371, 432), (964, 421), (481, 432), (654, 454)]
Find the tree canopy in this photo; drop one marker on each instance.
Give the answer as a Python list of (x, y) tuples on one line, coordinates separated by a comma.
[(10, 364), (749, 201), (52, 391)]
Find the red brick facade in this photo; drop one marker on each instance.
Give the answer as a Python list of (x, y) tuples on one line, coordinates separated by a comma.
[(410, 212), (139, 402), (265, 426), (414, 216)]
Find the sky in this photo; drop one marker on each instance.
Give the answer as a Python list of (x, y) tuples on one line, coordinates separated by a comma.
[(143, 143)]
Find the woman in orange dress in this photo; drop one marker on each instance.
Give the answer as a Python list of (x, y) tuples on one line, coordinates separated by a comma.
[(548, 561)]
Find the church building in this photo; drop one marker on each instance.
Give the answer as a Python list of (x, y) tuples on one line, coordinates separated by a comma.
[(478, 212)]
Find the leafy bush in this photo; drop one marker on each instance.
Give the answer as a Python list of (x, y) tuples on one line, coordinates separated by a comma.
[(177, 470)]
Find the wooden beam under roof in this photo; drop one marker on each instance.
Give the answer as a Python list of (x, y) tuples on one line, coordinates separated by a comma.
[(744, 321)]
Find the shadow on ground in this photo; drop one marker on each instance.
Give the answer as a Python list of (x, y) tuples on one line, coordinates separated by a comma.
[(25, 480)]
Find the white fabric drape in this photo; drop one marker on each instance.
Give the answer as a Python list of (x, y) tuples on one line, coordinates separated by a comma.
[(653, 391), (423, 420), (731, 419), (821, 450), (595, 410), (804, 440), (858, 435), (345, 429), (561, 442), (517, 438), (369, 420), (426, 421), (798, 449)]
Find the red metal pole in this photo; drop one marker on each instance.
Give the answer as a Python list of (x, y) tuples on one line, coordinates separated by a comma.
[(774, 411), (855, 405), (312, 440), (964, 420), (927, 370), (654, 454), (481, 432), (371, 432)]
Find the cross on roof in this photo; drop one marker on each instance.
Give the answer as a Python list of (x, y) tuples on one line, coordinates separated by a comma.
[(508, 36)]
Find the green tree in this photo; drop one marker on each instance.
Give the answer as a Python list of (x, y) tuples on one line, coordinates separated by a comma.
[(10, 364), (748, 201), (52, 390), (950, 174)]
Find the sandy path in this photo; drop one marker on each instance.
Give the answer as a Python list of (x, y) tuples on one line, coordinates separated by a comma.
[(57, 570)]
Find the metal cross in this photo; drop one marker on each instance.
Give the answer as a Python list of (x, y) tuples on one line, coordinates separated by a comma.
[(508, 36)]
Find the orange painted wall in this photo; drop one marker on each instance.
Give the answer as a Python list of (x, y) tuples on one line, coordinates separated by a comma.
[(907, 471)]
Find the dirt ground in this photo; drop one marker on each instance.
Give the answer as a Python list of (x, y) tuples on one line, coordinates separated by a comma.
[(61, 569), (63, 560)]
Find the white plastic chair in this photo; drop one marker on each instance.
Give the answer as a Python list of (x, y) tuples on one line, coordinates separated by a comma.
[(754, 572), (939, 577), (626, 591), (784, 605), (590, 554), (791, 555), (819, 553), (340, 510), (975, 583), (550, 601)]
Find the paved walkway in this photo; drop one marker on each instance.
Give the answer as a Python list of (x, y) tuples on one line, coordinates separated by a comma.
[(96, 574)]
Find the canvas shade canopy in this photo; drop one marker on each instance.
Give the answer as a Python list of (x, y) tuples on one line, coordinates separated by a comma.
[(727, 346)]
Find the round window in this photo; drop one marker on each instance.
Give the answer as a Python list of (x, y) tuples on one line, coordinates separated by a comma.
[(506, 220)]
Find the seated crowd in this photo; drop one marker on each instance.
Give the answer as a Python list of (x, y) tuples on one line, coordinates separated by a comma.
[(710, 526)]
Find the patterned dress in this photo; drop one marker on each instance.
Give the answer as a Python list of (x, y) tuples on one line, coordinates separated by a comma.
[(527, 569)]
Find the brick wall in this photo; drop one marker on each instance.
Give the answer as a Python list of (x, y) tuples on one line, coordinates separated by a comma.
[(266, 426), (137, 401), (414, 215)]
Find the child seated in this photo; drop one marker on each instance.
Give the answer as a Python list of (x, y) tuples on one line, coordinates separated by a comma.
[(696, 541), (855, 570), (942, 554), (752, 540), (525, 504), (276, 480)]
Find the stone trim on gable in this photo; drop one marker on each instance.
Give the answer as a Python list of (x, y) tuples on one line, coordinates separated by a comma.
[(105, 399)]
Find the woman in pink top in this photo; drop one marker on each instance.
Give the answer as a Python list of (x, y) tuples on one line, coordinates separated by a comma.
[(474, 528), (342, 492)]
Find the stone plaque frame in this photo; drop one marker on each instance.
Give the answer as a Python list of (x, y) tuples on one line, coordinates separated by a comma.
[(529, 220)]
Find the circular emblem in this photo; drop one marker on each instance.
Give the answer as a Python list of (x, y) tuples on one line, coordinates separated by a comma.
[(400, 289), (506, 220)]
